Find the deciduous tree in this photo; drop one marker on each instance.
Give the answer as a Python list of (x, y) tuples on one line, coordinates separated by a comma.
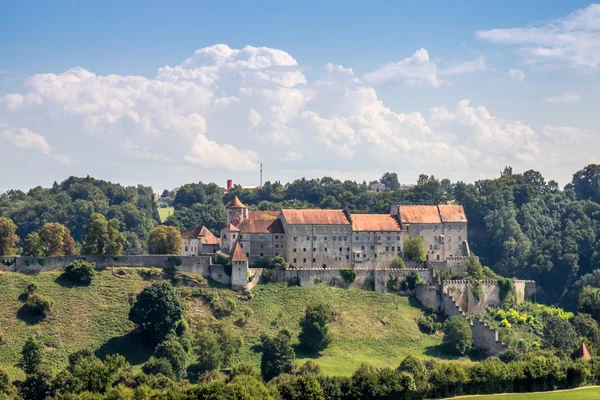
[(165, 240), (8, 237), (56, 240)]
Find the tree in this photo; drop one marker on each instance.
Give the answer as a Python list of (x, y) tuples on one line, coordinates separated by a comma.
[(172, 350), (103, 237), (165, 240), (80, 271), (414, 248), (33, 246), (586, 183), (37, 306), (31, 354), (277, 355), (189, 194), (56, 240), (589, 302), (314, 335), (390, 180), (8, 237), (279, 262), (560, 334), (155, 366), (587, 327), (398, 263), (157, 310), (457, 335)]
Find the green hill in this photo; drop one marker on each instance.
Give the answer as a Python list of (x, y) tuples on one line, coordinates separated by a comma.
[(371, 327)]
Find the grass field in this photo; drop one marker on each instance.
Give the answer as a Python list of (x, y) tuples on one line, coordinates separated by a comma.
[(587, 393), (370, 327), (164, 213)]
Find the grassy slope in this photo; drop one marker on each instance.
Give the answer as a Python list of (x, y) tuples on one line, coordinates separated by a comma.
[(575, 394), (163, 213), (82, 317)]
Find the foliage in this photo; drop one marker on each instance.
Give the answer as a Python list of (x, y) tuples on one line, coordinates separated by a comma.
[(398, 263), (414, 248), (457, 335), (315, 335), (588, 328), (262, 263), (56, 240), (33, 246), (80, 271), (155, 366), (477, 290), (428, 325), (279, 262), (560, 334), (31, 354), (411, 281), (221, 258), (277, 355), (165, 240), (348, 275), (8, 237), (589, 302), (157, 310), (103, 236), (172, 351), (37, 306)]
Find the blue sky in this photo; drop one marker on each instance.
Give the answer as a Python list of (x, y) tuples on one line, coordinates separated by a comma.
[(429, 91)]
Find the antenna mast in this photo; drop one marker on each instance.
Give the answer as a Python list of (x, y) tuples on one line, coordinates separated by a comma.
[(261, 174)]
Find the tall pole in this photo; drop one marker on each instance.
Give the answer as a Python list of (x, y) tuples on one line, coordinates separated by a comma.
[(261, 174)]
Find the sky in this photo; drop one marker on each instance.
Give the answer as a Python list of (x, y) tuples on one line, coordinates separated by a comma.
[(163, 94)]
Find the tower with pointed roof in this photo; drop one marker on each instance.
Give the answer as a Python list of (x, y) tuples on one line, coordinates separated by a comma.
[(236, 211), (239, 267)]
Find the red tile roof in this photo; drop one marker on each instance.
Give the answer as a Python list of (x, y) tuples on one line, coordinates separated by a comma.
[(315, 217), (452, 214), (261, 226), (583, 352), (257, 214), (375, 222), (410, 214), (231, 228), (238, 253), (236, 203), (202, 233)]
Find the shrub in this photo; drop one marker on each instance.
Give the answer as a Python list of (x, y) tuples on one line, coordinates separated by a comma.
[(222, 258), (173, 352), (411, 281), (155, 366), (457, 335), (510, 355), (398, 263), (279, 262), (267, 276), (348, 275), (560, 334), (429, 325), (31, 288), (277, 355), (394, 284), (414, 249), (31, 355), (314, 335), (262, 263), (37, 306), (477, 290), (80, 271)]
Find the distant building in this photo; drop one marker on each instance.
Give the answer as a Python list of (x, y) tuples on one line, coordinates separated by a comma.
[(199, 240), (378, 187)]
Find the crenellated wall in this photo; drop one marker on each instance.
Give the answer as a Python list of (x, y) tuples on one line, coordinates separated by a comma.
[(461, 292)]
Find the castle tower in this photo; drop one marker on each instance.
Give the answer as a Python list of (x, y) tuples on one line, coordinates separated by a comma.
[(236, 211), (239, 268)]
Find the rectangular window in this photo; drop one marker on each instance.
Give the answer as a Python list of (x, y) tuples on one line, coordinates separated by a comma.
[(334, 238), (304, 260), (362, 247), (295, 238), (304, 249), (308, 238), (372, 247), (375, 255), (459, 239), (364, 256), (276, 246), (379, 238), (324, 265), (389, 238), (347, 257), (347, 248), (314, 249), (276, 237), (224, 236), (339, 238), (430, 247), (240, 236), (247, 254), (294, 250), (356, 238), (261, 237), (314, 238), (325, 238), (345, 237), (276, 254), (393, 248), (262, 246), (325, 248), (387, 248), (314, 260), (397, 237), (294, 261), (261, 254), (340, 249)]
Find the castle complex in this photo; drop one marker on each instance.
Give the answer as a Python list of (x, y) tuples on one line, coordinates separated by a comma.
[(335, 238)]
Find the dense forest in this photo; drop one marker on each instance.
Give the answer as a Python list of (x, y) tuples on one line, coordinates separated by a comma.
[(519, 224)]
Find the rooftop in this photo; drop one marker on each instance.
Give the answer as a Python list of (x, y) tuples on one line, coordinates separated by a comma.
[(315, 217), (452, 213), (238, 253), (202, 233), (236, 203), (419, 215), (261, 226), (375, 222)]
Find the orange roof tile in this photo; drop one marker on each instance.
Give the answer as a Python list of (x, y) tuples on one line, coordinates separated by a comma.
[(238, 253), (231, 228), (236, 203), (375, 222), (583, 352), (257, 214), (315, 217), (261, 226), (410, 214), (452, 213), (202, 233)]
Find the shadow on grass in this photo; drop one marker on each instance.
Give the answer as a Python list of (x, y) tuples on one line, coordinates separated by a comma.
[(440, 351), (132, 346), (28, 317), (64, 281), (303, 353)]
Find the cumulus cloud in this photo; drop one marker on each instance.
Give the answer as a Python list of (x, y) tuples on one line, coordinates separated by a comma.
[(418, 69), (564, 98), (227, 109), (23, 138), (517, 74), (573, 41)]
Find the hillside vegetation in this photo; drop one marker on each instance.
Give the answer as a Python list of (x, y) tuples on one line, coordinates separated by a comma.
[(370, 327)]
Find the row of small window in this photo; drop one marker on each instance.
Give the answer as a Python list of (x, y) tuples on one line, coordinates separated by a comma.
[(378, 237), (262, 246), (341, 229), (314, 260), (315, 249), (191, 248), (314, 238), (262, 255), (387, 248)]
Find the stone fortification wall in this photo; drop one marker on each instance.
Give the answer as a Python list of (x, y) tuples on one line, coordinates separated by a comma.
[(366, 278), (461, 292)]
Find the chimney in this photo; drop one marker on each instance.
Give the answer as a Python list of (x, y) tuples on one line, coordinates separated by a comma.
[(229, 185)]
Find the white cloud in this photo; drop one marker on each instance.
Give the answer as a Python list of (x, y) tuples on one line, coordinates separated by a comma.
[(23, 138), (564, 98), (573, 41), (517, 74), (228, 109), (418, 69)]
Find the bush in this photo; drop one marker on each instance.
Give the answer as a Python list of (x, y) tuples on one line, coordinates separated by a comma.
[(411, 281), (414, 249), (348, 275), (80, 271), (477, 290), (31, 355), (38, 306), (457, 335), (510, 355), (31, 288), (428, 325), (172, 351), (262, 263), (279, 262), (314, 335), (277, 355), (398, 263), (155, 366), (221, 258)]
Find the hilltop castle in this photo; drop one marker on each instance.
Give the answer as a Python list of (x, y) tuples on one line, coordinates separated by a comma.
[(336, 238)]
